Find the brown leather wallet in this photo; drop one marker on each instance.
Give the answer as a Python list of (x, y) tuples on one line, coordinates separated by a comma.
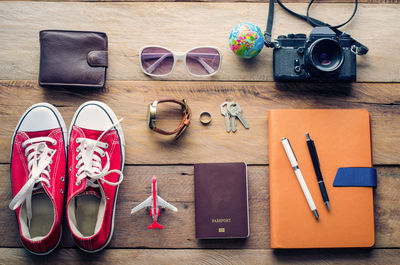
[(186, 116), (73, 58)]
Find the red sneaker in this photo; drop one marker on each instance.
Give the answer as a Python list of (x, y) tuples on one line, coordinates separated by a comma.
[(95, 163), (37, 175)]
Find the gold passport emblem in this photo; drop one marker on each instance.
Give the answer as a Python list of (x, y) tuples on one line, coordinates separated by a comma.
[(221, 230), (221, 220)]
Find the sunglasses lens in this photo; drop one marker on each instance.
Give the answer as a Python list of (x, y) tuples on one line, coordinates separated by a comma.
[(157, 61), (203, 61)]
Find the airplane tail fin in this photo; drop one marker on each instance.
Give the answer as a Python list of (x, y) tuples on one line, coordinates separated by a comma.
[(155, 225)]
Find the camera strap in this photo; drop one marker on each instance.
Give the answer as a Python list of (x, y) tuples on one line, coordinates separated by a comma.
[(357, 48)]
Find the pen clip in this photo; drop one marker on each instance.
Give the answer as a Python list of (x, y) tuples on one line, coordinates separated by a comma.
[(315, 153), (292, 150), (312, 149)]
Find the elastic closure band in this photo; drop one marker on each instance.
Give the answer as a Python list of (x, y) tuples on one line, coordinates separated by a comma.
[(355, 177)]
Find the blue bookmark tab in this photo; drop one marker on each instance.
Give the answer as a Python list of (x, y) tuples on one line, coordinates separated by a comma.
[(355, 177)]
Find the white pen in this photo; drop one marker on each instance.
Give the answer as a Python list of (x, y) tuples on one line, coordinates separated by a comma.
[(295, 165)]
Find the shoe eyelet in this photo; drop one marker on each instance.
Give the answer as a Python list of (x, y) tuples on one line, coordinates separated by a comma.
[(54, 143), (106, 145), (77, 183), (76, 166), (77, 141), (51, 162), (70, 168), (103, 154), (62, 191), (62, 179), (49, 170), (48, 186), (76, 158)]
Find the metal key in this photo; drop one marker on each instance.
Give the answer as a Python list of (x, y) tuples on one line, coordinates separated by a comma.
[(224, 112), (235, 111), (233, 118), (234, 127)]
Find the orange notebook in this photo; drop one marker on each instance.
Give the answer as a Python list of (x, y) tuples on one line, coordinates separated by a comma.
[(342, 139)]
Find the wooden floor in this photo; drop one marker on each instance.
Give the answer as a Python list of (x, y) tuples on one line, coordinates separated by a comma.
[(180, 26)]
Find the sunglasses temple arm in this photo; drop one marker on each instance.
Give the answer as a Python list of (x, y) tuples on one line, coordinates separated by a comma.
[(205, 65), (152, 67), (192, 54)]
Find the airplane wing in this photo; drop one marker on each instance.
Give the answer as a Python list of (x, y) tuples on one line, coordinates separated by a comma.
[(165, 204), (144, 204)]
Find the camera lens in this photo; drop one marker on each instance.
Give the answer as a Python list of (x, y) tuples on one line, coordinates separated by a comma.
[(324, 59), (326, 55)]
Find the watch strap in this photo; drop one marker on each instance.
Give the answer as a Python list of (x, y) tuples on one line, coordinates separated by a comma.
[(186, 116)]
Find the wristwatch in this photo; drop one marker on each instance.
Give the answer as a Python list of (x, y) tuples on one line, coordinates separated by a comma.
[(186, 116)]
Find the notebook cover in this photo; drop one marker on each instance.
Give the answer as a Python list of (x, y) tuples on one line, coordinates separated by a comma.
[(342, 139), (221, 200)]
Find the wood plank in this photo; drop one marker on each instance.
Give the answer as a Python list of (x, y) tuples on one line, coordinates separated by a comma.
[(206, 144), (205, 256), (223, 1), (131, 26), (176, 186)]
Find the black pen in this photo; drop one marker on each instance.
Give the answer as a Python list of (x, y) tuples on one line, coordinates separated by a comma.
[(315, 161)]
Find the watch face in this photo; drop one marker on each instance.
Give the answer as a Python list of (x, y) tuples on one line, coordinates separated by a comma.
[(148, 115), (151, 115)]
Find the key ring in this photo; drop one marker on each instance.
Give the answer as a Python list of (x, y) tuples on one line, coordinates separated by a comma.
[(205, 118)]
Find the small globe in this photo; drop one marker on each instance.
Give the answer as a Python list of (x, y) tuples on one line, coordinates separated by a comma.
[(246, 40)]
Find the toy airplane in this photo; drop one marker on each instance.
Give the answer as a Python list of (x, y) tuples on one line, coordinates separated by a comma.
[(154, 201)]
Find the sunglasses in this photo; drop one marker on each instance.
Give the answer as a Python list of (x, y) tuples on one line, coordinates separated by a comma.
[(199, 61)]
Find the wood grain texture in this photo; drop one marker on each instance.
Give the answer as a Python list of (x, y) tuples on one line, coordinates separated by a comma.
[(181, 26), (207, 144), (205, 257), (176, 186), (221, 1)]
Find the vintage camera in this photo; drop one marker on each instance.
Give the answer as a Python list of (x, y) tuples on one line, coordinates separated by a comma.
[(324, 56)]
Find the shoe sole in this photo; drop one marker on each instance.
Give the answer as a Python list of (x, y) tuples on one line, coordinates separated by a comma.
[(120, 133), (64, 132)]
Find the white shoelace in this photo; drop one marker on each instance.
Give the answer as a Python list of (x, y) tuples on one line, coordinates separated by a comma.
[(89, 162), (39, 157)]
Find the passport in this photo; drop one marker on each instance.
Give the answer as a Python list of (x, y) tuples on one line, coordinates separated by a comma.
[(221, 200)]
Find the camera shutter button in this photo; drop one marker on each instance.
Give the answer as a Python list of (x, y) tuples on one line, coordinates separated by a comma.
[(301, 35)]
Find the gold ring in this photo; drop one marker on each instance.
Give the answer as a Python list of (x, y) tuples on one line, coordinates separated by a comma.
[(205, 118)]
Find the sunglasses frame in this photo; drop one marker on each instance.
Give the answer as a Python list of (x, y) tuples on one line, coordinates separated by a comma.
[(180, 56)]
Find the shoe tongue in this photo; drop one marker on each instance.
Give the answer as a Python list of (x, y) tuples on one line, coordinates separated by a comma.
[(38, 188), (38, 191), (91, 134), (39, 134), (91, 191)]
